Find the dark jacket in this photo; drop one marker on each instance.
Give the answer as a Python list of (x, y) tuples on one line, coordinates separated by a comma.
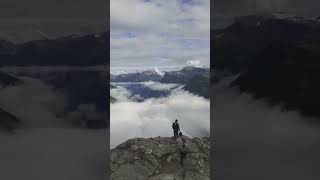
[(175, 126)]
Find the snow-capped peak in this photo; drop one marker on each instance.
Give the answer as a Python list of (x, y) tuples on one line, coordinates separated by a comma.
[(161, 73)]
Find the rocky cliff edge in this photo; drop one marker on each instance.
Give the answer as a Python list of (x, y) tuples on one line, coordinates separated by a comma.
[(157, 159)]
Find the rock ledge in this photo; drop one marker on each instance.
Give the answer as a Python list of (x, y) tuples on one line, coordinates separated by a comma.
[(156, 159)]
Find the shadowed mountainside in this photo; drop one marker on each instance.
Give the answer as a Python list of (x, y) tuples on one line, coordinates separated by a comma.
[(277, 56), (73, 50), (8, 122), (195, 79)]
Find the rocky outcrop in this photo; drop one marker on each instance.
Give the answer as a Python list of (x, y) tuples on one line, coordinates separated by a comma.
[(156, 159)]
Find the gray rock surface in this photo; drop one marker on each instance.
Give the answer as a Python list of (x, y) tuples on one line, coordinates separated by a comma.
[(157, 159)]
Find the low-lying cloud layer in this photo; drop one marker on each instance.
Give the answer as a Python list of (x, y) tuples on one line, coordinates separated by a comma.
[(34, 102), (153, 117), (157, 86), (256, 141), (47, 146)]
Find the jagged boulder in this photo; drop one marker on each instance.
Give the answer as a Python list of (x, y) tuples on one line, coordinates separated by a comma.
[(157, 159)]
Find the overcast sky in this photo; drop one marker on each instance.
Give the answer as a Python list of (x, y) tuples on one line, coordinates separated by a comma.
[(22, 20), (159, 33), (225, 10)]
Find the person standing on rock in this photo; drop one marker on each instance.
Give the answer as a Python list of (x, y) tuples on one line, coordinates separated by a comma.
[(176, 128), (181, 148)]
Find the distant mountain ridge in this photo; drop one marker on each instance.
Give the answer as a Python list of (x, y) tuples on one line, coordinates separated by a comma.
[(196, 79), (177, 76), (184, 75), (85, 50), (137, 77), (240, 43), (277, 59)]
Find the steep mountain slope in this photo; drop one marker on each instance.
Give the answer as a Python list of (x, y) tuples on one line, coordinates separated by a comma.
[(80, 87), (184, 75), (8, 122), (278, 59), (200, 85), (239, 44), (6, 80)]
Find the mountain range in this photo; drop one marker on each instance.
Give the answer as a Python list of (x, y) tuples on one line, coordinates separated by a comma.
[(137, 77), (79, 86), (72, 50), (277, 57), (195, 79)]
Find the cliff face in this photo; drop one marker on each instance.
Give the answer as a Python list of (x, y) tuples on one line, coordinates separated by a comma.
[(156, 159)]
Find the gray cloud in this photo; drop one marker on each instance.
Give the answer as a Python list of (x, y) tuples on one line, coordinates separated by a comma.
[(256, 141), (35, 103), (47, 146), (159, 33)]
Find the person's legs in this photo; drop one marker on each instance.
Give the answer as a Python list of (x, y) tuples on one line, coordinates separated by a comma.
[(175, 134)]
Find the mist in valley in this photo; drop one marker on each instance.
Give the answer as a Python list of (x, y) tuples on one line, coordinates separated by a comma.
[(258, 141), (154, 116), (48, 145)]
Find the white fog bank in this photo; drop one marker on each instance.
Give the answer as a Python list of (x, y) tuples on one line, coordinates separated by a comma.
[(153, 117)]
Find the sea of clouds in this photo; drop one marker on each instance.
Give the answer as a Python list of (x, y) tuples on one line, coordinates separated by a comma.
[(257, 141), (153, 117), (48, 146)]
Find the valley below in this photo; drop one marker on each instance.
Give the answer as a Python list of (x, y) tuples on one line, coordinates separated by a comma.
[(146, 103), (265, 98)]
